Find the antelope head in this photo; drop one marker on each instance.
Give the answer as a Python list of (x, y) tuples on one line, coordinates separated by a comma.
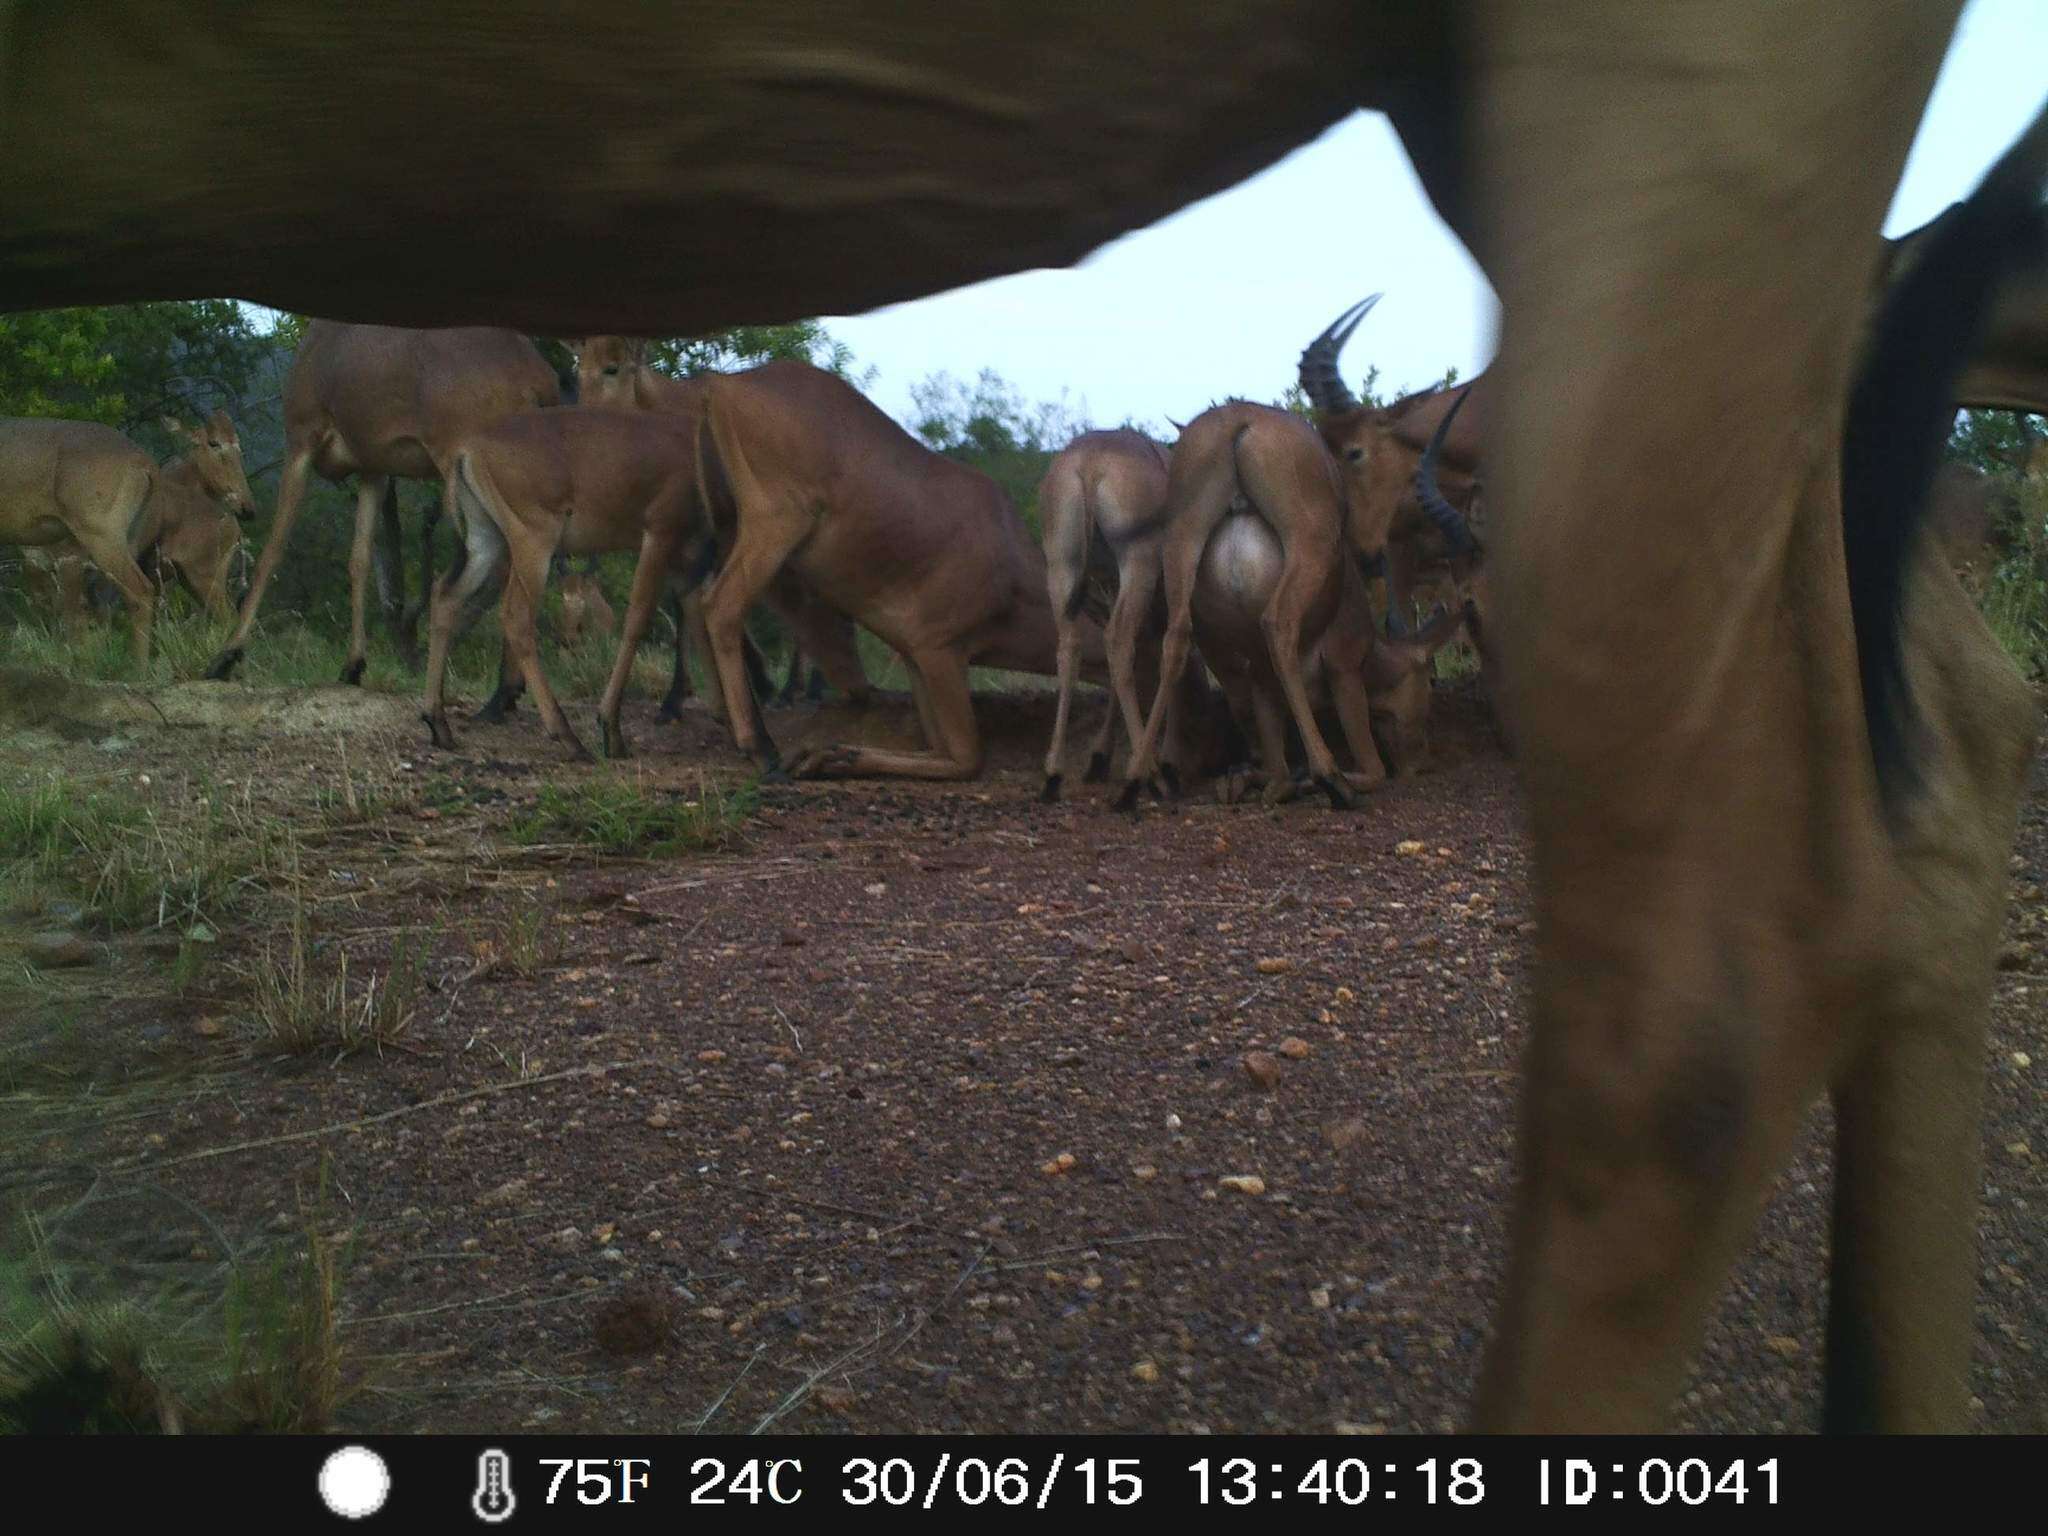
[(215, 451), (1373, 463), (1397, 679), (608, 370)]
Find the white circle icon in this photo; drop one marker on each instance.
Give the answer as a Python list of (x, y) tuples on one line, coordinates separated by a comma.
[(354, 1482)]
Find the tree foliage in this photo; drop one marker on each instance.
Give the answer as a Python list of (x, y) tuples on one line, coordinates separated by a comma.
[(748, 346), (128, 365), (55, 362), (989, 425), (1997, 442)]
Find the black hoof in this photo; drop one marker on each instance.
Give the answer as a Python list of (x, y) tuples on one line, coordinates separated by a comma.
[(1171, 775), (438, 730), (497, 707), (776, 775), (1050, 795), (352, 674), (223, 666), (1340, 796), (671, 710), (1127, 797), (1098, 768), (615, 747), (816, 692)]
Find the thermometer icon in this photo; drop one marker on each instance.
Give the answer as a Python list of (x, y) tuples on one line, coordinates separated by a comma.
[(493, 1501)]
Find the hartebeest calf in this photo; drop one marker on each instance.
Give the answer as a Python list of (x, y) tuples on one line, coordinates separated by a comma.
[(614, 370), (1102, 509), (630, 479), (1747, 895), (376, 402), (85, 488), (927, 553)]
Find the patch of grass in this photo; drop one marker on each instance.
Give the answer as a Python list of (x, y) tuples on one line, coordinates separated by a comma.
[(301, 1012), (2015, 604), (255, 1351), (524, 941), (1456, 661), (132, 864), (2015, 597), (626, 816), (581, 671)]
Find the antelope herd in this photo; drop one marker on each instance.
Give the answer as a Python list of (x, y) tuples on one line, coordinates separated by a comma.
[(1772, 757)]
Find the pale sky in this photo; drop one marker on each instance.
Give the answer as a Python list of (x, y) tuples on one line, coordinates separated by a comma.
[(1219, 299)]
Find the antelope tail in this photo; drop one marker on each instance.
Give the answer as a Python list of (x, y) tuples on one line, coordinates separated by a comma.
[(1900, 411)]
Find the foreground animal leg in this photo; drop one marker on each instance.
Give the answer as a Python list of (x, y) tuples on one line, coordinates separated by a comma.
[(452, 597), (1137, 588), (650, 576), (409, 618), (1102, 746), (948, 706), (369, 499), (1270, 714), (679, 680), (519, 614), (1903, 1277), (291, 495), (110, 554), (1713, 872), (387, 559), (1187, 537), (504, 699), (72, 605), (1069, 667), (1282, 623), (769, 533)]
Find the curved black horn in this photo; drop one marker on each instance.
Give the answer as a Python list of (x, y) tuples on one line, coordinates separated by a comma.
[(1320, 380), (1448, 519)]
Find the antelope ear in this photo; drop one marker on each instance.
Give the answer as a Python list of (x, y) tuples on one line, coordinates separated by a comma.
[(221, 422), (175, 427)]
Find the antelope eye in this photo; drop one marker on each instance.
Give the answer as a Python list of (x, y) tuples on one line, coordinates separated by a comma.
[(1354, 454), (612, 372), (214, 446)]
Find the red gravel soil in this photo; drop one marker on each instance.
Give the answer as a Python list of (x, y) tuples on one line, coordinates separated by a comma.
[(933, 1108)]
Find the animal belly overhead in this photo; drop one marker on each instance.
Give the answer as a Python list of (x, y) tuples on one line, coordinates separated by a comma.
[(737, 140)]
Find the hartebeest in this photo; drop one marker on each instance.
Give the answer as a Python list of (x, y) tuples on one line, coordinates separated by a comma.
[(927, 553), (1744, 895), (1102, 508), (584, 481), (184, 537), (1271, 460), (376, 402), (1350, 502), (1239, 574), (615, 370), (86, 489)]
